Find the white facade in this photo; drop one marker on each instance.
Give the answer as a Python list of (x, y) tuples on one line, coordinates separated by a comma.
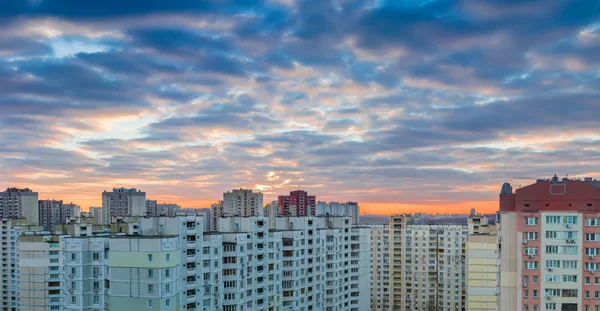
[(123, 202), (19, 203), (242, 202), (380, 268), (9, 259), (428, 263), (170, 263), (349, 209)]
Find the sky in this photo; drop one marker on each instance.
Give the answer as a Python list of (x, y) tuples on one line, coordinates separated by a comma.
[(402, 106)]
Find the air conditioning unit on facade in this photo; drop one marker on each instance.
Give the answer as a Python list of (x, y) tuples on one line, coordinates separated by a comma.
[(524, 241)]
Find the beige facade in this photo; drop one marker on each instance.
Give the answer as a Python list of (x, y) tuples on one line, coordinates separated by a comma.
[(482, 272)]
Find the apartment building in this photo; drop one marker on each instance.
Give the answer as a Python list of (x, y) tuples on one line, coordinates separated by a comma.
[(171, 263), (98, 215), (54, 212), (550, 245), (482, 264), (123, 202), (272, 210), (380, 268), (153, 208), (350, 209), (298, 203), (428, 264), (19, 203), (9, 259), (252, 263), (326, 264), (242, 202)]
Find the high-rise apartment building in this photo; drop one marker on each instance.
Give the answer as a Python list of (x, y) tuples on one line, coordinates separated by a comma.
[(272, 211), (482, 264), (171, 263), (350, 209), (380, 268), (123, 202), (54, 212), (9, 261), (298, 203), (153, 208), (549, 236), (19, 203), (242, 202), (428, 265)]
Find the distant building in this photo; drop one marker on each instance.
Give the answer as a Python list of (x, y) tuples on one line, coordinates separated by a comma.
[(98, 215), (242, 202), (19, 203), (123, 202), (54, 212), (298, 203), (350, 209), (272, 210)]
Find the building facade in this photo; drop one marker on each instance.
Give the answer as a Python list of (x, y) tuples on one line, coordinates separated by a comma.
[(549, 236), (428, 265), (350, 209), (298, 203), (54, 212), (9, 258), (242, 202), (380, 268), (19, 203), (98, 215), (123, 202)]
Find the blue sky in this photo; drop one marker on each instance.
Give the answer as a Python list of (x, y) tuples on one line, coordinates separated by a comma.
[(413, 104)]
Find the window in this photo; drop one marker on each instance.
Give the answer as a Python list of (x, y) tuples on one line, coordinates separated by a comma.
[(526, 293), (531, 265), (535, 279), (149, 303), (531, 235), (535, 293), (569, 278), (569, 264), (550, 306), (150, 288), (553, 219), (551, 249), (95, 256), (149, 257), (552, 263), (552, 235), (167, 273), (531, 250), (73, 257), (569, 249), (168, 288), (150, 273), (592, 236), (531, 221), (96, 300), (592, 222), (592, 251), (168, 302), (587, 280), (553, 278), (591, 266), (168, 257), (73, 300), (570, 220)]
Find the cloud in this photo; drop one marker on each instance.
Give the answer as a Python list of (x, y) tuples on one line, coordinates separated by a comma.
[(352, 100)]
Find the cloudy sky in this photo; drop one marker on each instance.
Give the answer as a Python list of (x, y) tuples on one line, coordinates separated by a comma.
[(401, 105)]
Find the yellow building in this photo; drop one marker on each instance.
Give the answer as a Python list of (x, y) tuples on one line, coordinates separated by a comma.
[(482, 265)]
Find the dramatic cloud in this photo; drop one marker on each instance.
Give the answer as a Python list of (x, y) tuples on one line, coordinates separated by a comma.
[(416, 104)]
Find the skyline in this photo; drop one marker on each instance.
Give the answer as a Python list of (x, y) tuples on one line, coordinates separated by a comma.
[(419, 106)]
